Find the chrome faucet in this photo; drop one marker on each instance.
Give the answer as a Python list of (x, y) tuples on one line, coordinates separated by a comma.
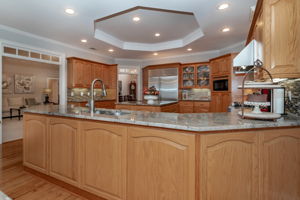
[(92, 100)]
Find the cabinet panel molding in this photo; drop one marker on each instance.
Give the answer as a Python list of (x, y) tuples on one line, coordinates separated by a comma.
[(160, 165), (103, 154), (35, 142), (63, 150)]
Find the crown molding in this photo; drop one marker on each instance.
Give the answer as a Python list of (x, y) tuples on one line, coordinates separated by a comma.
[(17, 31)]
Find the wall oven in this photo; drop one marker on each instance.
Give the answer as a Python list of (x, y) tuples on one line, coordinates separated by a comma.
[(220, 84)]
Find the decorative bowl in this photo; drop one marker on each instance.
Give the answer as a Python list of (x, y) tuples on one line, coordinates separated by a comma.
[(150, 98)]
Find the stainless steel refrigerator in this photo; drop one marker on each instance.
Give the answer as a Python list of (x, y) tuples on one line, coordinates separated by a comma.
[(166, 82)]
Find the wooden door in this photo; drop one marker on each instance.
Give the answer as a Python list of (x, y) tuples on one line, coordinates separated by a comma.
[(35, 142), (282, 37), (103, 156), (63, 150), (161, 165), (229, 166), (280, 164)]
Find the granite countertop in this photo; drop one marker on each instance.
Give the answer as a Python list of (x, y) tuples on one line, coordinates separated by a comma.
[(85, 100), (198, 100), (203, 122), (144, 103)]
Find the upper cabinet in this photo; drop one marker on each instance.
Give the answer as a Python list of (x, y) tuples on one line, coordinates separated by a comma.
[(276, 25), (195, 75), (221, 66), (82, 72)]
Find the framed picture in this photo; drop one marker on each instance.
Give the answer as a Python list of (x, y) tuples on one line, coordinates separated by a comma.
[(7, 83), (24, 84)]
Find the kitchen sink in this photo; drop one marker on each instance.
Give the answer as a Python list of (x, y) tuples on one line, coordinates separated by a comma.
[(111, 112), (99, 111)]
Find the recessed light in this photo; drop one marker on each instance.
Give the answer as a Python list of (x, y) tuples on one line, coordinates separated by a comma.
[(84, 41), (189, 49), (136, 19), (223, 6), (110, 50), (155, 54), (157, 34), (224, 30), (69, 11)]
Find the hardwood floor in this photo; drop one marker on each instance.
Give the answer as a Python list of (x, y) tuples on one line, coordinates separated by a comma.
[(21, 185)]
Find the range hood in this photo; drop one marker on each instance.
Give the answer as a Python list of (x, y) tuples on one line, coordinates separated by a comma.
[(252, 52)]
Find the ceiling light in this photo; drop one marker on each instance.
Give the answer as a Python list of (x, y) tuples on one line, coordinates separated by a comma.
[(224, 30), (111, 50), (84, 41), (223, 6), (69, 11), (136, 19), (189, 49), (157, 34), (155, 54)]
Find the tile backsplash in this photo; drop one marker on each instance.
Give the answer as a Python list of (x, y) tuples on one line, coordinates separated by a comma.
[(292, 90), (196, 94), (83, 94)]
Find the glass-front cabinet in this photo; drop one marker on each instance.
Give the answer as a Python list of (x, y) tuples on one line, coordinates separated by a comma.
[(195, 75)]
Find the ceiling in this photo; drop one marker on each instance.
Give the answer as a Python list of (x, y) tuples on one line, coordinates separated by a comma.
[(47, 18)]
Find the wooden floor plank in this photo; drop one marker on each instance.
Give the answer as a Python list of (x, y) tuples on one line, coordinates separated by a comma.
[(21, 185)]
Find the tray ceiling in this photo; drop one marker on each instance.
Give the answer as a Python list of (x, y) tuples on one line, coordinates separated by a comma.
[(48, 19)]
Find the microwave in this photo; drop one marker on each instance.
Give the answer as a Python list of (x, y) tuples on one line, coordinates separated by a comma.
[(220, 84)]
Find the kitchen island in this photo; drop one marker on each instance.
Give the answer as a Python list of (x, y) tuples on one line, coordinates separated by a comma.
[(157, 106), (137, 155)]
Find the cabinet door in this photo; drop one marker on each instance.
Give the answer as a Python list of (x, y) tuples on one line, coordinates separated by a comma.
[(214, 67), (87, 74), (280, 162), (78, 73), (103, 153), (63, 150), (161, 165), (201, 107), (282, 37), (186, 107), (229, 166), (97, 72), (35, 142), (216, 102), (225, 101)]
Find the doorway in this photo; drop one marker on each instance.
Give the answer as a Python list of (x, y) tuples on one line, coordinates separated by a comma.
[(24, 84), (24, 52)]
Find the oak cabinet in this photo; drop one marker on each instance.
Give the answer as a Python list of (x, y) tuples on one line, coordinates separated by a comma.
[(161, 165), (220, 101), (186, 107), (194, 107), (221, 66), (229, 166), (82, 72), (282, 37), (280, 164), (201, 107), (195, 75), (63, 150), (103, 155), (35, 142)]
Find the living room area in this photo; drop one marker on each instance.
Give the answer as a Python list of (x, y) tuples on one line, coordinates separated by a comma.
[(25, 83)]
